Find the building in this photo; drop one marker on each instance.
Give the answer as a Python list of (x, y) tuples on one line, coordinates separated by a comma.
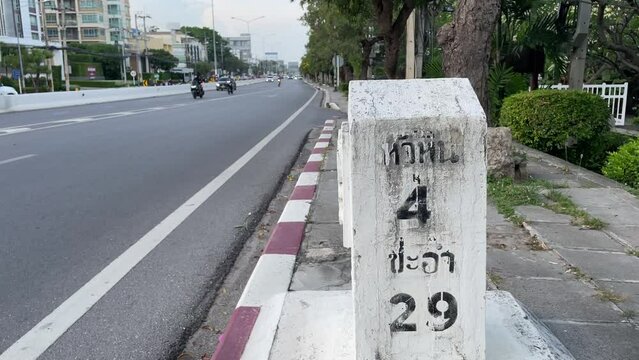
[(186, 48), (293, 68), (23, 16), (89, 21), (14, 15), (241, 46), (271, 56)]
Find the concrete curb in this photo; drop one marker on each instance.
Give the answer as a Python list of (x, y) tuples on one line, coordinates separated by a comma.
[(40, 101), (251, 329)]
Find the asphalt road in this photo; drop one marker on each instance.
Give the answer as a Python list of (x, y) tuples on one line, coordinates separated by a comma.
[(81, 185)]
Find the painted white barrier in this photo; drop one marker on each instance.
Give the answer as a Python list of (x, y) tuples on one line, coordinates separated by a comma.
[(62, 98), (419, 219), (345, 184)]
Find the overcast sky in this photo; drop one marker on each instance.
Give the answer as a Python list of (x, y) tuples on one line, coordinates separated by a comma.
[(280, 30)]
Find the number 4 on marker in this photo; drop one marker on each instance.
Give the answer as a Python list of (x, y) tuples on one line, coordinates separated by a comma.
[(415, 206)]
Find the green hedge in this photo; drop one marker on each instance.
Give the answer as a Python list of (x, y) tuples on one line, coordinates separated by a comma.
[(593, 154), (623, 165), (547, 119), (97, 83)]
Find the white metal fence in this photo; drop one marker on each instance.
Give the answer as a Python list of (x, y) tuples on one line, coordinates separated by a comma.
[(616, 95)]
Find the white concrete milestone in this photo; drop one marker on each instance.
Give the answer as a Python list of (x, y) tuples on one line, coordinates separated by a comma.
[(419, 219)]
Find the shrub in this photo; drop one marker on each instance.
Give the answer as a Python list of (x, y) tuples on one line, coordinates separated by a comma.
[(547, 119), (595, 152), (623, 165)]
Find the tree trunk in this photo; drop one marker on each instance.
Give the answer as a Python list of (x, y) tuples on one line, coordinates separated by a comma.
[(466, 44), (367, 48), (391, 57)]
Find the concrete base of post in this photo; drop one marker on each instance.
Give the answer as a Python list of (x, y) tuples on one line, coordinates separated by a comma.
[(319, 325)]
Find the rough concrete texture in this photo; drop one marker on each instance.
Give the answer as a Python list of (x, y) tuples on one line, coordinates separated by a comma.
[(318, 325), (592, 305), (392, 125), (499, 152), (616, 207), (572, 237), (539, 214)]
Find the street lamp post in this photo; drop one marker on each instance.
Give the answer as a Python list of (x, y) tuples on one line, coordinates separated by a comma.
[(146, 46), (248, 28), (214, 37)]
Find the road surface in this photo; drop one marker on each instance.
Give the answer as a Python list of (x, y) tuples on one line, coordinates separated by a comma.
[(124, 215)]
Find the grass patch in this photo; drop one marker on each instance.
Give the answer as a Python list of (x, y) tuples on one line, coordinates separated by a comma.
[(608, 295), (564, 205), (578, 273), (506, 195), (634, 191), (629, 314), (495, 278), (633, 252)]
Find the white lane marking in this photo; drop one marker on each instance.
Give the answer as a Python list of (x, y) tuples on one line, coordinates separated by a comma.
[(35, 342), (15, 130), (308, 179), (73, 121), (295, 211), (8, 161)]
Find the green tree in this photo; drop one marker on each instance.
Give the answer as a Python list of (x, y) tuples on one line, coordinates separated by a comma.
[(33, 61), (203, 68), (162, 60), (226, 60), (109, 56)]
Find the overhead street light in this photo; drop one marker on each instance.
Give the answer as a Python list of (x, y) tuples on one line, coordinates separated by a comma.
[(248, 22)]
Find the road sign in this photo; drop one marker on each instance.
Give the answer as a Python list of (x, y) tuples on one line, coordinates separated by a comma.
[(15, 74), (418, 188), (133, 73), (91, 72)]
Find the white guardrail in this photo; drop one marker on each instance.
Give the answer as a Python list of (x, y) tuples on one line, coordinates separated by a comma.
[(615, 94), (61, 99)]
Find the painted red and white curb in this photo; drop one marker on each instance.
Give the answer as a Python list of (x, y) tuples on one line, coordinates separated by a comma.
[(253, 324)]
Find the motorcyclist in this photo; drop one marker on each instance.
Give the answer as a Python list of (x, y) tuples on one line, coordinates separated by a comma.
[(279, 81)]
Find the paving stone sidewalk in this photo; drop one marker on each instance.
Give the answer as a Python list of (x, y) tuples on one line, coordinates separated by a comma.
[(571, 288)]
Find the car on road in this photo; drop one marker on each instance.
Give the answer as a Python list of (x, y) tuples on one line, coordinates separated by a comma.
[(269, 79), (223, 83), (7, 90)]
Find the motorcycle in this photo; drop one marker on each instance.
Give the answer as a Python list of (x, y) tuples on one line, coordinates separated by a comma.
[(197, 90)]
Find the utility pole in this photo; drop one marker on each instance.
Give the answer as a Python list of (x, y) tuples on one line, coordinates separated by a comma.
[(146, 44), (420, 31), (46, 43), (16, 10), (214, 37), (580, 46), (62, 29), (410, 46)]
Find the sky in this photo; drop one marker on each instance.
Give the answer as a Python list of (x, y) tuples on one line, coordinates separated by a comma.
[(280, 30)]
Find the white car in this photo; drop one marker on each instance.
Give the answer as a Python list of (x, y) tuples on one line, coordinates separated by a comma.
[(7, 90), (269, 79)]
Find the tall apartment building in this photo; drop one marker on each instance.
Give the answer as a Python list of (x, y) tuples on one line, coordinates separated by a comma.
[(240, 46), (20, 15), (89, 21)]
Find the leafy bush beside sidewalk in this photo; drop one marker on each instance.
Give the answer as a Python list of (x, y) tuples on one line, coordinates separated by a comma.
[(623, 165), (549, 119)]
